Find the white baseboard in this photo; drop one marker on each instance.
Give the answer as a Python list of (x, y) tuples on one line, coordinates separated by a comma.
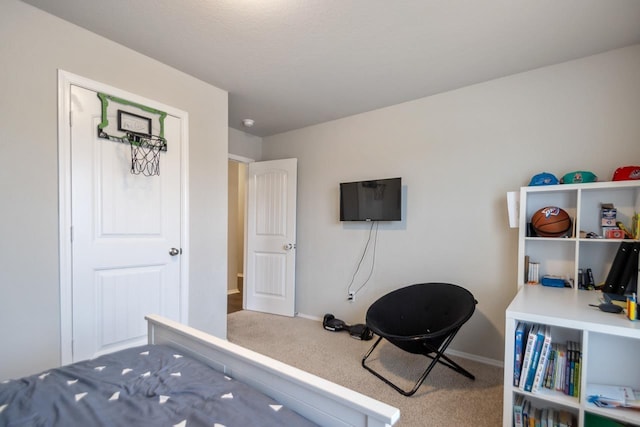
[(306, 316), (476, 358), (233, 291)]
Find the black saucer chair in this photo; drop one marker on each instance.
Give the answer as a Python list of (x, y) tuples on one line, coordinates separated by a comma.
[(421, 319)]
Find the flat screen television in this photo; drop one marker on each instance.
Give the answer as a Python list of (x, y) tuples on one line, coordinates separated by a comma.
[(375, 200)]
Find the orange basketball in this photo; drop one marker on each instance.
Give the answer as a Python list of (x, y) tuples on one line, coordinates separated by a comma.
[(551, 221)]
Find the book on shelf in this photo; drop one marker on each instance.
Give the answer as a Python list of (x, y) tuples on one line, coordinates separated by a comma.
[(561, 358), (518, 405), (585, 279), (572, 369), (528, 355), (535, 357), (590, 283), (634, 402), (582, 279), (545, 364), (613, 396), (544, 416), (545, 352), (552, 418), (568, 381), (548, 377), (564, 368), (609, 393), (537, 418), (578, 369), (518, 351), (528, 414), (533, 276)]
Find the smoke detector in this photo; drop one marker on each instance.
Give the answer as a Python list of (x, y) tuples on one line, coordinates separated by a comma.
[(248, 122)]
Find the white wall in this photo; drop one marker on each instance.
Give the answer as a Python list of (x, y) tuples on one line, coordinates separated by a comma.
[(245, 145), (34, 46), (458, 154)]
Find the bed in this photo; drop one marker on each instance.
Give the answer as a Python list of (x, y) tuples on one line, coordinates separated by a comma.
[(170, 382)]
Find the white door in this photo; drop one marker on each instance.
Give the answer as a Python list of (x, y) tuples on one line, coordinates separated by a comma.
[(271, 237), (124, 227)]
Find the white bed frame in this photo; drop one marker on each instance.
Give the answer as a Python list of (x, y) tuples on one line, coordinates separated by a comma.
[(319, 400)]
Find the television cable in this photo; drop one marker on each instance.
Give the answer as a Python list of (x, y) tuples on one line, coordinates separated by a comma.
[(352, 294)]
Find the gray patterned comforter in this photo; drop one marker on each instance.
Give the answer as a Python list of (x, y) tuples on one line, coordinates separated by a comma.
[(152, 385)]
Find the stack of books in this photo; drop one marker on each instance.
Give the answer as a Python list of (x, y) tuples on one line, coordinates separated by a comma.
[(613, 396), (541, 364), (525, 414)]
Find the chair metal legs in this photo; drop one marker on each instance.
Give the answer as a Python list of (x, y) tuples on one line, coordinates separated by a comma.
[(439, 357)]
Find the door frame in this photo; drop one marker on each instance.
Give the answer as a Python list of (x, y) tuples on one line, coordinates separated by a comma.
[(65, 232)]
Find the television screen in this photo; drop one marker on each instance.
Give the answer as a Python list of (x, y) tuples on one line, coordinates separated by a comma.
[(376, 200)]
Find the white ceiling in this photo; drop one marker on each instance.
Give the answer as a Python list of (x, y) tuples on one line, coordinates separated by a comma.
[(288, 64)]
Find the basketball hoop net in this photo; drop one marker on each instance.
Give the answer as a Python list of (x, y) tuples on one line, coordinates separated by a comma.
[(145, 153)]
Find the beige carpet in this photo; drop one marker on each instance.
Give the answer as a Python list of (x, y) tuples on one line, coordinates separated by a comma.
[(445, 399)]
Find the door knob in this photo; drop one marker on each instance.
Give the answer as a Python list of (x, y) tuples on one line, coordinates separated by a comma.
[(174, 251), (289, 246)]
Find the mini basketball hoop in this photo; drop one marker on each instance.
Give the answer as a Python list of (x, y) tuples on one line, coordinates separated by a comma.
[(145, 153), (136, 125)]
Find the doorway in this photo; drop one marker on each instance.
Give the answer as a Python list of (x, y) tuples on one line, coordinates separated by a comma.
[(236, 237), (261, 243)]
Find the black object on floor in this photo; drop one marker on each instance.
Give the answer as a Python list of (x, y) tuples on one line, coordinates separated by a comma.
[(608, 307), (358, 331), (421, 319)]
